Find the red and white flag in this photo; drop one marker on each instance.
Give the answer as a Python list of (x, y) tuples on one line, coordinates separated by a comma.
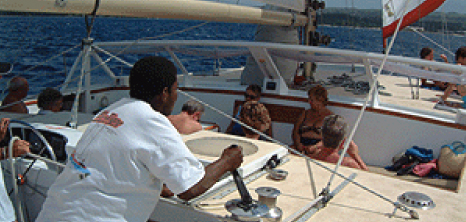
[(392, 11)]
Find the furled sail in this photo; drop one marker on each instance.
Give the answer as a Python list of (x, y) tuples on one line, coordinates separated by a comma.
[(172, 9), (392, 11)]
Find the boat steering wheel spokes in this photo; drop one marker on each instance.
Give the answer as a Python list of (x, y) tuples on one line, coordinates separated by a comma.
[(41, 146)]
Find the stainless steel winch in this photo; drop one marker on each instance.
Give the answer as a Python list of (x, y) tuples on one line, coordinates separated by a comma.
[(247, 209)]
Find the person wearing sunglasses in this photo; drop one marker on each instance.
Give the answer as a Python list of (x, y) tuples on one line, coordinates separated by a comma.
[(253, 93), (256, 116)]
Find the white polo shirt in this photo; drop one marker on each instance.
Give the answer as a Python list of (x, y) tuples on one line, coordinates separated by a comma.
[(129, 150), (7, 212)]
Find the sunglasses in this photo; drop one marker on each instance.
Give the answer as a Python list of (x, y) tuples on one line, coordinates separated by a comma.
[(249, 96)]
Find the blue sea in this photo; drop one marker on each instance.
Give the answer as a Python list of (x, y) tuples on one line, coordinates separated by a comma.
[(28, 41)]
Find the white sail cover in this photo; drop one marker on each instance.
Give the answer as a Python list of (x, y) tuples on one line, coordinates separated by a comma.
[(415, 10)]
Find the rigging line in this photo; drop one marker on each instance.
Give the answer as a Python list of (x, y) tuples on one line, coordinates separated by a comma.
[(74, 110), (93, 14), (29, 69), (108, 60), (14, 178), (432, 41), (36, 190), (297, 152), (446, 34), (371, 91), (14, 103), (374, 86), (138, 40), (176, 32)]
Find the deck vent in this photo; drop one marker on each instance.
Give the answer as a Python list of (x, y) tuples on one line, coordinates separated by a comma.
[(417, 200)]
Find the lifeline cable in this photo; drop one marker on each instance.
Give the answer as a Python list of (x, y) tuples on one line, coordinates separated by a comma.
[(403, 208)]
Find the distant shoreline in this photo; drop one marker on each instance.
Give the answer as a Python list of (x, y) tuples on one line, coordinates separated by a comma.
[(340, 17)]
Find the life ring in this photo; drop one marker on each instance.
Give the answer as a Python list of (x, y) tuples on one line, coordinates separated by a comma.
[(103, 102)]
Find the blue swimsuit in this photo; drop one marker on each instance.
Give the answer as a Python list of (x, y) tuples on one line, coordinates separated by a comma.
[(237, 129)]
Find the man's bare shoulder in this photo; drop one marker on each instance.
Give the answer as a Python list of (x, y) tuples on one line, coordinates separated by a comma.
[(19, 107)]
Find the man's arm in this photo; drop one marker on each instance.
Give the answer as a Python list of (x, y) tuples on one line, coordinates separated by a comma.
[(191, 127), (20, 147), (295, 133), (447, 92), (270, 131), (230, 160), (3, 127), (444, 57), (353, 151)]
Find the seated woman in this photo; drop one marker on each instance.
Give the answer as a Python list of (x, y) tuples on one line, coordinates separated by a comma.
[(253, 93), (306, 131), (333, 134), (255, 115)]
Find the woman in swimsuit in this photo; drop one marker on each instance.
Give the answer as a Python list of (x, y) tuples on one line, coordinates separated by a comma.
[(307, 129)]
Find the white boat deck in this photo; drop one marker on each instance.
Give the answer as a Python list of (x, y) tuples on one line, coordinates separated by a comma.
[(397, 91), (352, 203)]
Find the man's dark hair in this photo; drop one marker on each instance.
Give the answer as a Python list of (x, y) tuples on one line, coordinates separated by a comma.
[(48, 97), (149, 76), (255, 88), (425, 52), (192, 106), (17, 83), (333, 131), (460, 53)]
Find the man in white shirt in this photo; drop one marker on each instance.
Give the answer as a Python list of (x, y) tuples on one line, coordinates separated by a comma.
[(128, 151)]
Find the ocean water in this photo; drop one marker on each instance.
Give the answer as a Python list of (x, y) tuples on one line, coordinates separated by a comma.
[(30, 40)]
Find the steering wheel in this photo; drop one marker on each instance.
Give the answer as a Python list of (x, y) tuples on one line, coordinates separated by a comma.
[(38, 134)]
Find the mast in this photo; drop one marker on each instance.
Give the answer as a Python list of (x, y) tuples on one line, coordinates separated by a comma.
[(310, 32)]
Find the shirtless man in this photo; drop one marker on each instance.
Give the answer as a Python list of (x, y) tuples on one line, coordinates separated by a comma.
[(187, 121), (333, 133), (18, 90)]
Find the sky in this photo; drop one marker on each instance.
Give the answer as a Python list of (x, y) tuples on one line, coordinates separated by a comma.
[(449, 5)]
